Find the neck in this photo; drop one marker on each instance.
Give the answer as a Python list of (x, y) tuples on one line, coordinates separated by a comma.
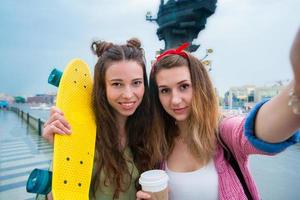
[(182, 126)]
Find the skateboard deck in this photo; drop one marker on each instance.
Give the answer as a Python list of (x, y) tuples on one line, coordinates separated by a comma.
[(73, 155)]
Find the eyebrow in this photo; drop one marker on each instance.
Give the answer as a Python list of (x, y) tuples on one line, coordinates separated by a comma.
[(137, 79), (120, 80), (183, 81), (180, 82)]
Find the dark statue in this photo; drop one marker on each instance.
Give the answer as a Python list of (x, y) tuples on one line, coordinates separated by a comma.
[(181, 21)]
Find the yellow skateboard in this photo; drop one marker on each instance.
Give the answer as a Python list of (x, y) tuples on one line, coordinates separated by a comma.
[(73, 155)]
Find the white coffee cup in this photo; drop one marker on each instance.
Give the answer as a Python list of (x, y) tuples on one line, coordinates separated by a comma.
[(155, 181)]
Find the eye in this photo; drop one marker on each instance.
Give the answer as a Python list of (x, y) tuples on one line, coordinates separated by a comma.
[(164, 90), (116, 84), (137, 83), (184, 86)]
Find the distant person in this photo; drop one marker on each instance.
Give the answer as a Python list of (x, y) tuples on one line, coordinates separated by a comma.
[(186, 112), (124, 144)]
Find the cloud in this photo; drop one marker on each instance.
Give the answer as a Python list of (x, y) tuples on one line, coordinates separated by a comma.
[(250, 38)]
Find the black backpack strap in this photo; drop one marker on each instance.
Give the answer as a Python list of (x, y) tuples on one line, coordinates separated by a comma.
[(234, 164)]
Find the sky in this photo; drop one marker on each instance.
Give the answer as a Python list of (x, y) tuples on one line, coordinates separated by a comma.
[(251, 39)]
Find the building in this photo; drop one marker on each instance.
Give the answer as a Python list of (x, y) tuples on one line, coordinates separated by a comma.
[(7, 98), (262, 93), (239, 96), (247, 96), (41, 98)]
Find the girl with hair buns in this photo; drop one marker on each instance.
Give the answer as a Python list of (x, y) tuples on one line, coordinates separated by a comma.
[(186, 111), (124, 145)]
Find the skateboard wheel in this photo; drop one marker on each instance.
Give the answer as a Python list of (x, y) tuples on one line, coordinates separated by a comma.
[(39, 182), (54, 77)]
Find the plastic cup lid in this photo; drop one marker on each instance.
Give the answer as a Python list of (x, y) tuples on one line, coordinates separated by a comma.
[(153, 178)]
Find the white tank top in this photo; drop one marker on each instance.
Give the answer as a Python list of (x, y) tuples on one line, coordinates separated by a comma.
[(201, 184)]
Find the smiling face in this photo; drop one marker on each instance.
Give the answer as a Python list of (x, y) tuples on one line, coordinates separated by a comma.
[(124, 87), (175, 91)]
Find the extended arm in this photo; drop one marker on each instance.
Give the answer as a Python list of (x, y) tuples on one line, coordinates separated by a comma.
[(276, 121)]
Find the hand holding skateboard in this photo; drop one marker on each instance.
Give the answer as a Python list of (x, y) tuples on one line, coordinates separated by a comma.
[(56, 124)]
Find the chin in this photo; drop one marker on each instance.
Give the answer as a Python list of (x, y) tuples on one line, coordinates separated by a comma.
[(128, 113), (180, 118)]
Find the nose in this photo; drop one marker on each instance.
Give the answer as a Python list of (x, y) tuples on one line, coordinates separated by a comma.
[(127, 93), (176, 98)]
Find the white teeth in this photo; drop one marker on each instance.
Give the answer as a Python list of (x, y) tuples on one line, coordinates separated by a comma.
[(127, 104)]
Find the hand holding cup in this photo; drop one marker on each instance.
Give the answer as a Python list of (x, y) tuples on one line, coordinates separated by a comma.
[(154, 182)]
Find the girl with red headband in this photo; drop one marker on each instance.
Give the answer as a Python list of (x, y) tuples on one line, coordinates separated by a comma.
[(198, 139)]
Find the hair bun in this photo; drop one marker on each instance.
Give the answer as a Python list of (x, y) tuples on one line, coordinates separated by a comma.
[(99, 47), (134, 42)]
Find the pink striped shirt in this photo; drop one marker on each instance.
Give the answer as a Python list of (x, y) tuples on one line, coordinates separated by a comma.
[(238, 134), (231, 131)]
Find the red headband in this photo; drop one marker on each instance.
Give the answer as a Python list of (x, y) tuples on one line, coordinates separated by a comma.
[(178, 51)]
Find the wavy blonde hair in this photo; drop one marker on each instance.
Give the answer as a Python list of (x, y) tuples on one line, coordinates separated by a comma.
[(203, 120)]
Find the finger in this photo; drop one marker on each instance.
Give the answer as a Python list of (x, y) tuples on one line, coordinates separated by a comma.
[(63, 120), (55, 109), (61, 127), (295, 58), (57, 116), (53, 116), (142, 195), (49, 131), (49, 196)]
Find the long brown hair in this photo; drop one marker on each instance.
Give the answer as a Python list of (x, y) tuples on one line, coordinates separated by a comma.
[(109, 158), (203, 120)]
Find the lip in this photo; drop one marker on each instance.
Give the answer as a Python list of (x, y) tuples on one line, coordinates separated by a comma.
[(127, 105), (179, 110)]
